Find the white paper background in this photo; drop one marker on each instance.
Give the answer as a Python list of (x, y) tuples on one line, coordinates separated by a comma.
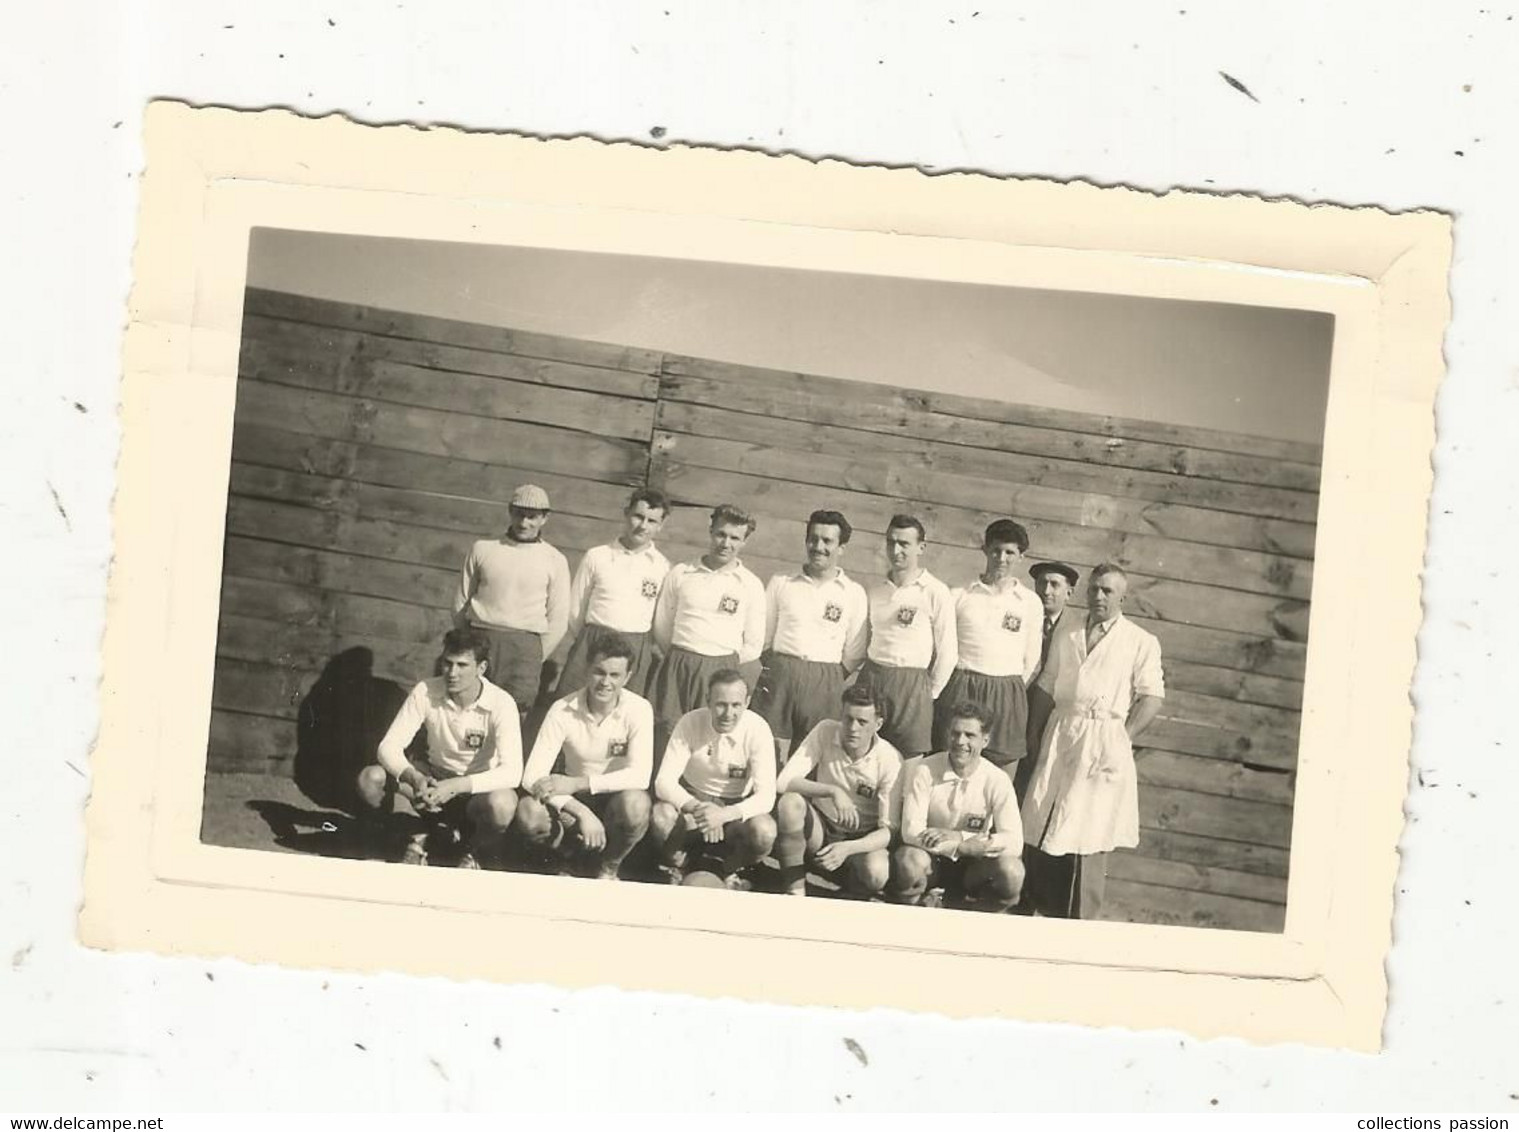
[(1358, 103)]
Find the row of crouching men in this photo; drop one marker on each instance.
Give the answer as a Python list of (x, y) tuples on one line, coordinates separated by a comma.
[(709, 730)]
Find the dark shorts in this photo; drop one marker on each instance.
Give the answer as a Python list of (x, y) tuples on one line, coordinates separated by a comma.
[(577, 665), (516, 663), (906, 705), (1004, 696), (795, 695), (679, 684)]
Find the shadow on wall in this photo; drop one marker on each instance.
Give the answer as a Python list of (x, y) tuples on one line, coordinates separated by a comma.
[(340, 725)]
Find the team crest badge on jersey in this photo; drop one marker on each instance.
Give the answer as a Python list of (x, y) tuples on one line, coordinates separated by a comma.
[(975, 823), (1012, 622), (617, 749), (864, 790), (833, 611), (729, 604), (907, 615), (474, 740), (738, 772), (649, 588)]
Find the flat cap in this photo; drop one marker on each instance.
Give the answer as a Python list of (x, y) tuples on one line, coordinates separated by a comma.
[(1039, 569), (531, 497)]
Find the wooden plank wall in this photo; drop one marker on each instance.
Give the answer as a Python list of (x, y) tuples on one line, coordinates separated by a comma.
[(370, 448)]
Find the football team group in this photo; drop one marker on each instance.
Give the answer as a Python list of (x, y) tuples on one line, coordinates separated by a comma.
[(909, 741)]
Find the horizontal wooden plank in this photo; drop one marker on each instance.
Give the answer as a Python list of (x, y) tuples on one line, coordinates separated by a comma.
[(1156, 598), (243, 743), (327, 528), (949, 525), (1010, 412), (313, 649), (1154, 904), (261, 689), (454, 435), (432, 475), (476, 517), (1270, 656), (304, 340), (1213, 852), (1185, 737), (1277, 724), (1130, 865), (1012, 467), (1234, 819), (1213, 776), (339, 614), (424, 586), (888, 409), (1232, 684), (398, 324), (377, 379), (884, 474)]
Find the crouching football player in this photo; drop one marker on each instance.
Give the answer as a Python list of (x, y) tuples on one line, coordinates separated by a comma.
[(716, 784), (961, 831), (839, 802), (465, 793), (597, 808)]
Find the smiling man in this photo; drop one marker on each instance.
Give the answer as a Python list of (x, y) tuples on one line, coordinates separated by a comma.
[(997, 636), (817, 625), (464, 791), (716, 784), (614, 592), (839, 804), (960, 824), (516, 591), (710, 616), (595, 805), (912, 648), (1103, 686)]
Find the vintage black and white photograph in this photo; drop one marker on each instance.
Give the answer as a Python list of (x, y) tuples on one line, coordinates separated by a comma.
[(667, 567), (799, 584)]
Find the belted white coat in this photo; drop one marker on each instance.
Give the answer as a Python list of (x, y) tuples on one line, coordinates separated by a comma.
[(1084, 793)]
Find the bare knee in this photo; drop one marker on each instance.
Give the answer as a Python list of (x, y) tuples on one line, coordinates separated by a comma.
[(909, 871), (790, 814), (663, 818), (871, 871), (630, 809), (373, 786), (1010, 874), (533, 820), (494, 810), (756, 835)]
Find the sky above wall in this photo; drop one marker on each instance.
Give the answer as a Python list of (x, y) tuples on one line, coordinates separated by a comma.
[(1256, 370)]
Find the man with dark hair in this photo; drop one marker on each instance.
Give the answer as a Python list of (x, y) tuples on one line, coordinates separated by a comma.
[(912, 648), (614, 591), (997, 636), (839, 803), (960, 824), (816, 627), (710, 616), (596, 807), (716, 785), (466, 790), (1103, 685), (516, 590)]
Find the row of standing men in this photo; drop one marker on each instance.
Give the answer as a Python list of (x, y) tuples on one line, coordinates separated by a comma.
[(918, 657)]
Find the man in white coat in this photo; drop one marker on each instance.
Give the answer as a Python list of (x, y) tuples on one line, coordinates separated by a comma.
[(1103, 686)]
